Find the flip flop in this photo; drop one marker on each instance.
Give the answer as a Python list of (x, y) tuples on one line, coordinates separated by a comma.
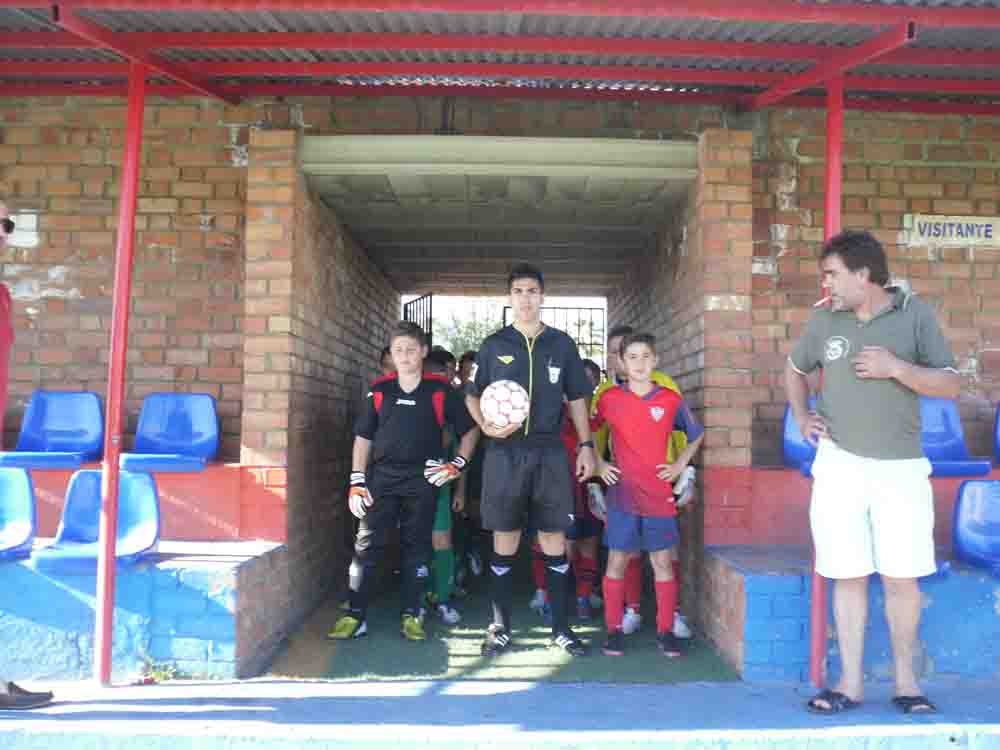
[(914, 704), (836, 702)]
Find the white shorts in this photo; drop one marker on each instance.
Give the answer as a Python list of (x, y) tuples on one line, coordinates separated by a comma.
[(871, 515)]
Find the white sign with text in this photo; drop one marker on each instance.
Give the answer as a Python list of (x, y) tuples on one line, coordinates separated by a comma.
[(953, 231)]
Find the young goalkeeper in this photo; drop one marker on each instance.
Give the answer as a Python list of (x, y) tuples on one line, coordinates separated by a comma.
[(640, 501), (400, 429)]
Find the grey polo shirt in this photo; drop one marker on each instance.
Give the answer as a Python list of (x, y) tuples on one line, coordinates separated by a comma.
[(875, 418)]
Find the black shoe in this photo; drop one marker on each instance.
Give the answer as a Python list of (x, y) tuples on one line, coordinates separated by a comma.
[(18, 699), (570, 643), (669, 644), (615, 644), (497, 641)]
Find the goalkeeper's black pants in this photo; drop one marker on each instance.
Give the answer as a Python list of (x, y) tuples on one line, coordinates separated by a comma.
[(413, 514)]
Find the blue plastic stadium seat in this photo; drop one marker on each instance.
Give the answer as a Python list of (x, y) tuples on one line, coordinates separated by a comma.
[(944, 442), (177, 432), (17, 514), (60, 430), (76, 545), (797, 452), (976, 523)]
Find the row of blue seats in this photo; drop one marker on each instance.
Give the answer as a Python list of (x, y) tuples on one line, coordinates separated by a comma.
[(177, 432), (941, 435), (75, 547)]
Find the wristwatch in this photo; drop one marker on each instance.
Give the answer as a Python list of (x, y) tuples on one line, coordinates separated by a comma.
[(585, 444)]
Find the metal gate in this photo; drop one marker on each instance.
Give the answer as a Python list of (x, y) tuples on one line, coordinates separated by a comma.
[(419, 311), (585, 325)]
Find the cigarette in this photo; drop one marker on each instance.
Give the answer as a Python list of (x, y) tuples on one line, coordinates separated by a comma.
[(822, 301)]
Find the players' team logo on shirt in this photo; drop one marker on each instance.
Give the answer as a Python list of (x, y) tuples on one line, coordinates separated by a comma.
[(406, 401), (554, 374), (505, 358), (836, 348), (657, 413)]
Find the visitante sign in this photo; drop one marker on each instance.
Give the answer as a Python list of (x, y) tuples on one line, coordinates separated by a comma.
[(952, 231)]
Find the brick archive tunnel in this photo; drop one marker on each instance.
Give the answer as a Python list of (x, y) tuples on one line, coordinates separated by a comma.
[(275, 238)]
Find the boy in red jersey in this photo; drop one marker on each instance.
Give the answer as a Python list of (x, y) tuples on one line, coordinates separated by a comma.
[(640, 500)]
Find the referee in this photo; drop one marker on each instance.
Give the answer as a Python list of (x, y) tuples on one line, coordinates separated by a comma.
[(526, 471)]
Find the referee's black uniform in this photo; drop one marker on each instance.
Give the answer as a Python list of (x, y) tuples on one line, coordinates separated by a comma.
[(529, 472), (405, 431)]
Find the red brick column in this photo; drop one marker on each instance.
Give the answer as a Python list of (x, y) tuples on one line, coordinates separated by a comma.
[(267, 324), (720, 234)]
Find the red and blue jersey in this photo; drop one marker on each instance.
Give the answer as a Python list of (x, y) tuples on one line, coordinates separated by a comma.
[(640, 430)]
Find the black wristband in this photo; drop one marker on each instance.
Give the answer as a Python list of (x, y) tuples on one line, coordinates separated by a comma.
[(586, 444)]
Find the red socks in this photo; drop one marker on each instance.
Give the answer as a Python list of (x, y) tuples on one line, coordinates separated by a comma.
[(666, 604), (614, 603), (633, 582), (585, 570)]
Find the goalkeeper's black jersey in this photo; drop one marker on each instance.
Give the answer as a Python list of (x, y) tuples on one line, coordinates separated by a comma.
[(547, 367), (405, 428)]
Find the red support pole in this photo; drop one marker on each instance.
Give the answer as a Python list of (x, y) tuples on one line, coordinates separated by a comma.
[(831, 226), (116, 372)]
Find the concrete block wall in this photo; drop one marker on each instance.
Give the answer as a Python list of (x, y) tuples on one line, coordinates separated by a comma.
[(893, 165)]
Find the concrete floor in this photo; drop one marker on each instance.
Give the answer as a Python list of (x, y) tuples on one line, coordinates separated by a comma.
[(466, 714)]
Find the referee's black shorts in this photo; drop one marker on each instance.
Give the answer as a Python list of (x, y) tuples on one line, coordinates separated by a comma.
[(526, 480)]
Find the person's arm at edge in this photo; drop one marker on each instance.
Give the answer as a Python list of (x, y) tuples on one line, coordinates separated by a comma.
[(928, 381)]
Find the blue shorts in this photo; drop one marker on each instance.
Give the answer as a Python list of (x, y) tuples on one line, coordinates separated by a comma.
[(631, 532)]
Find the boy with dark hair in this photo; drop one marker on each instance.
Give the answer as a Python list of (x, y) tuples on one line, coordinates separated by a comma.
[(385, 362), (640, 501), (632, 621), (525, 469), (400, 431)]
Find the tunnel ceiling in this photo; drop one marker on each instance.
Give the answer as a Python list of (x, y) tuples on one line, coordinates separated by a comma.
[(451, 214)]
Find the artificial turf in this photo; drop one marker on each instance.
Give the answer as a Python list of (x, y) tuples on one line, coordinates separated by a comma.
[(452, 652)]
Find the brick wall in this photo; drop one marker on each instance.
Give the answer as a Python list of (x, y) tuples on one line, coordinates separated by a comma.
[(893, 165), (318, 313), (60, 158)]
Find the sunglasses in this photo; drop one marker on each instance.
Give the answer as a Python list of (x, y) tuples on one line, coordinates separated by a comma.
[(8, 226)]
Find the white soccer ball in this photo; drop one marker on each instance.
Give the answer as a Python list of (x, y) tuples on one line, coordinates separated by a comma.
[(504, 403)]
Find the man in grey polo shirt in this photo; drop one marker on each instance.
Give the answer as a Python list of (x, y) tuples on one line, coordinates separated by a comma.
[(872, 507)]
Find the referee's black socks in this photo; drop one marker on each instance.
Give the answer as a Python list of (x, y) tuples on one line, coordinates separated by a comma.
[(501, 569), (557, 582)]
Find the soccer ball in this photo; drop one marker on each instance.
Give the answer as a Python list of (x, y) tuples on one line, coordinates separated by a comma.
[(504, 403)]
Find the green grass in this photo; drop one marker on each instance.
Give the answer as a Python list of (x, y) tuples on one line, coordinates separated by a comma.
[(452, 652)]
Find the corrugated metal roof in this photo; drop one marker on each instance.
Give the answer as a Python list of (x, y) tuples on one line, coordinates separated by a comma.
[(832, 36)]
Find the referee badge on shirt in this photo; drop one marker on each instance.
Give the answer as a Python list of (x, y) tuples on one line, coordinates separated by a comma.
[(657, 413)]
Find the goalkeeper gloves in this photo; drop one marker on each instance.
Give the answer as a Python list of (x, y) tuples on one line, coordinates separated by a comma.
[(439, 473), (359, 500)]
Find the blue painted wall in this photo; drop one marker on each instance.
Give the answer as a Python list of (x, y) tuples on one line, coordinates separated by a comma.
[(168, 615)]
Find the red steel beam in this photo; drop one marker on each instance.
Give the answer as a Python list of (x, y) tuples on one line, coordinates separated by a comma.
[(505, 91), (635, 73), (101, 37), (760, 11), (114, 418), (400, 42), (836, 65)]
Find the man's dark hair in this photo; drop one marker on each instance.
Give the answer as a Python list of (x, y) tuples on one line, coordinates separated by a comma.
[(859, 249), (589, 364), (408, 329), (437, 361), (638, 338), (525, 271), (620, 331)]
